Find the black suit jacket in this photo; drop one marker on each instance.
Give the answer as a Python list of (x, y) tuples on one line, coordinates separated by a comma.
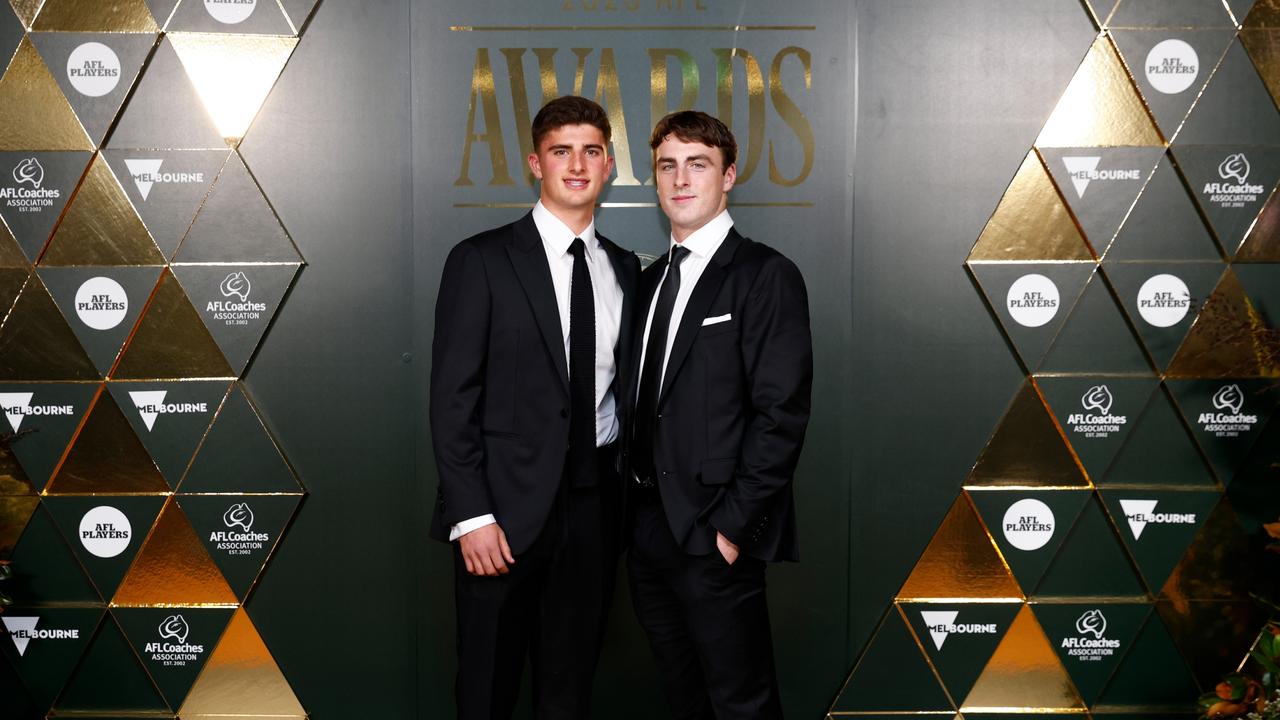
[(735, 401), (500, 380)]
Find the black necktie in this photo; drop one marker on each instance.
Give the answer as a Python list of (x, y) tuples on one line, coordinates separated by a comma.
[(655, 351), (582, 371)]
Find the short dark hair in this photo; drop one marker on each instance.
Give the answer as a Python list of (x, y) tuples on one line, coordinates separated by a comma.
[(569, 110), (693, 126)]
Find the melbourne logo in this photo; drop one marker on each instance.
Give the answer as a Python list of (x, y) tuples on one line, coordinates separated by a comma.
[(1230, 420), (1090, 643), (1032, 300), (173, 650), (1172, 66), (105, 531), (22, 630), (1164, 300), (17, 406), (93, 69), (1100, 423), (230, 12), (101, 303), (239, 538), (151, 405), (942, 623), (1084, 170), (146, 174), (1234, 191), (1141, 513), (237, 311), (29, 171), (1028, 524), (28, 194)]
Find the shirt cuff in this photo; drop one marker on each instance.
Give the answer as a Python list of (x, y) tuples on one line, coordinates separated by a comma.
[(468, 525)]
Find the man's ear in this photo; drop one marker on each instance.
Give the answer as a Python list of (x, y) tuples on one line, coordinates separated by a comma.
[(535, 166), (730, 176)]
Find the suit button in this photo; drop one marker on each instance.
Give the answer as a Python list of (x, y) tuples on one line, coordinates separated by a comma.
[(564, 413), (659, 416)]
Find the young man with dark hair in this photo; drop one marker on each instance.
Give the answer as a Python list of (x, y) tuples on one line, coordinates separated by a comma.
[(531, 321), (724, 372)]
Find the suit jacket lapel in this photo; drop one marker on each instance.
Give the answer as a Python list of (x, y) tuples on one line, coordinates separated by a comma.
[(530, 263), (704, 293)]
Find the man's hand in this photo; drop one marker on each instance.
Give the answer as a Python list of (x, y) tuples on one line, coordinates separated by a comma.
[(727, 549), (486, 552)]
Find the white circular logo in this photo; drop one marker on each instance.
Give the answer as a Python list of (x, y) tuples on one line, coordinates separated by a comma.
[(1172, 65), (93, 69), (1028, 524), (230, 12), (1164, 300), (105, 531), (1032, 300), (101, 303)]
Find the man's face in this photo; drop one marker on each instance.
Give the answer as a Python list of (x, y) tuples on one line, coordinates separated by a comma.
[(573, 164), (693, 184)]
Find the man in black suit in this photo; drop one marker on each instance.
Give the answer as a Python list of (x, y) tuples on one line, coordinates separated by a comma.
[(531, 322), (721, 407)]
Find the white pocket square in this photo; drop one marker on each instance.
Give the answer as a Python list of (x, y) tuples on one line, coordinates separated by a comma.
[(717, 319)]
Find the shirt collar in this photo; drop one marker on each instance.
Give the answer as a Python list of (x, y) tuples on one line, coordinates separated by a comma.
[(557, 236), (704, 241)]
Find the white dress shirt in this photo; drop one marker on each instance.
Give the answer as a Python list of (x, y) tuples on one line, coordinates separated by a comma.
[(702, 244), (556, 239)]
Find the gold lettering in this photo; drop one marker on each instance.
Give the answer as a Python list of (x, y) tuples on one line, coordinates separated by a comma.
[(590, 4), (567, 6), (632, 4), (664, 4), (547, 73), (520, 103), (482, 88), (660, 92), (609, 95), (581, 54), (697, 4), (608, 5), (791, 115), (755, 105)]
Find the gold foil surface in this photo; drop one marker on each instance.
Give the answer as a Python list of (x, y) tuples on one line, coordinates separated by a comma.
[(1024, 675), (171, 341), (1263, 45), (11, 281), (13, 479), (1101, 106), (232, 74), (1265, 14), (960, 562), (26, 9), (1262, 244), (1229, 338), (34, 114), (10, 254), (1027, 449), (37, 344), (1031, 222), (1218, 565), (106, 457), (96, 16), (172, 568), (241, 679), (15, 511), (100, 226)]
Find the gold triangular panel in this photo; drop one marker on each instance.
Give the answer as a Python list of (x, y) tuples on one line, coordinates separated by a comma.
[(11, 255), (232, 74), (34, 114), (171, 341), (1031, 222), (37, 344), (1024, 672), (95, 16), (106, 457), (15, 511), (101, 227), (1027, 449), (12, 279), (1219, 564), (1265, 14), (241, 678), (26, 9), (1229, 338), (1100, 107), (173, 568), (1263, 46), (1262, 244), (961, 561)]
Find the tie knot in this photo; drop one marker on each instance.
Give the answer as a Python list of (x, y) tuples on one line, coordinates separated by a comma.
[(678, 254), (577, 248)]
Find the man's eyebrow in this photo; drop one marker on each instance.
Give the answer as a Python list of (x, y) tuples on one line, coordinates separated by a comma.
[(703, 158), (566, 146)]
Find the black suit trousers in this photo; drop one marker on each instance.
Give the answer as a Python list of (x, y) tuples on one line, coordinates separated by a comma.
[(550, 607), (707, 623)]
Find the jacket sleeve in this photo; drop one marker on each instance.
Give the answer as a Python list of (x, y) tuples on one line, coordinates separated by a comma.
[(777, 355), (458, 356)]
